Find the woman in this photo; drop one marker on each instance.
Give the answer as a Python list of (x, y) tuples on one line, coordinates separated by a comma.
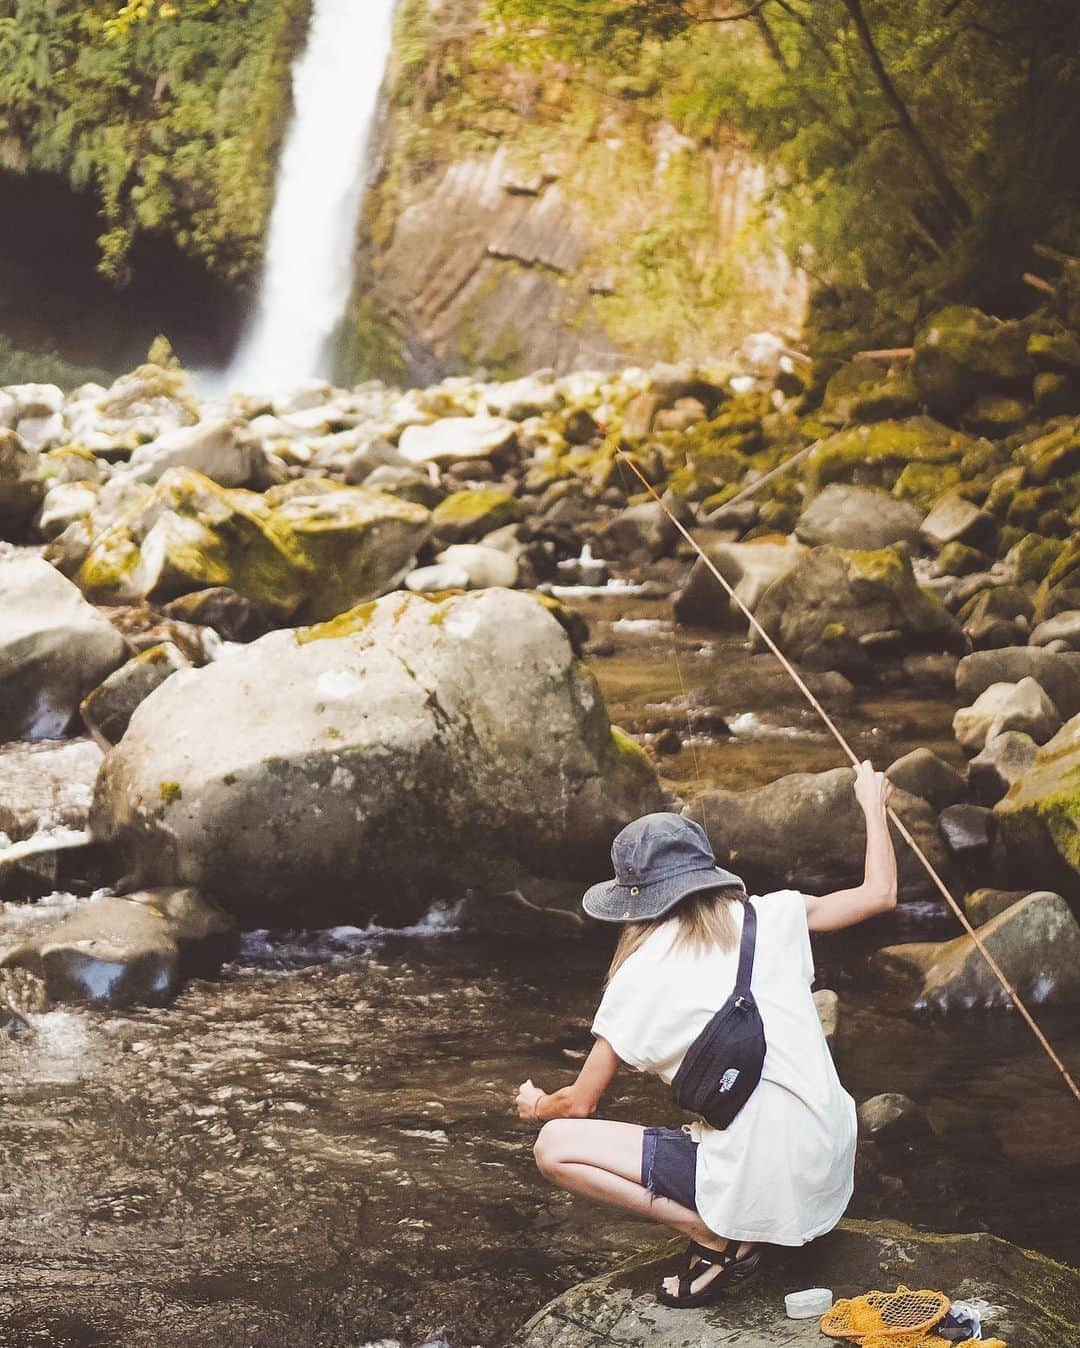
[(782, 1172)]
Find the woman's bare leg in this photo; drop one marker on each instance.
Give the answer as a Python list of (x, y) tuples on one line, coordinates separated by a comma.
[(601, 1160)]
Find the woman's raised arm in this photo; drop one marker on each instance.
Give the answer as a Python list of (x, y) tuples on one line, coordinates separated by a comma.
[(877, 893), (572, 1102)]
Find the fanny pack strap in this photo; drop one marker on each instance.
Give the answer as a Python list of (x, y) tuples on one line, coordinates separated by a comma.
[(746, 950)]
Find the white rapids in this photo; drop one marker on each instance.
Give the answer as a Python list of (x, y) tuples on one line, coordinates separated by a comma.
[(308, 273)]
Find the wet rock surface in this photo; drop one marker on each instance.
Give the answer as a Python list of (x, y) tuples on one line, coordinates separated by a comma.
[(1030, 1297), (54, 647), (136, 948)]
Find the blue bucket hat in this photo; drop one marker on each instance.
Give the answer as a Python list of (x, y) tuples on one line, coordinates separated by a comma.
[(659, 860)]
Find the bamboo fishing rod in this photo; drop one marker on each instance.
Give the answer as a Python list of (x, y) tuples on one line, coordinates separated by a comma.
[(836, 733)]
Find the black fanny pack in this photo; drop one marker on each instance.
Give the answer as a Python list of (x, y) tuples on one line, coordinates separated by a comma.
[(723, 1064)]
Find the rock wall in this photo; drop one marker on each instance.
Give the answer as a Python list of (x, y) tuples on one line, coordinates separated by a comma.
[(523, 217)]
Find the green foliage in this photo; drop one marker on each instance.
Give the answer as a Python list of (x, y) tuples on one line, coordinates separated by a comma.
[(172, 114), (919, 147)]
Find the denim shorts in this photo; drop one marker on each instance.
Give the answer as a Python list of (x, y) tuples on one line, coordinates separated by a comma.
[(669, 1165)]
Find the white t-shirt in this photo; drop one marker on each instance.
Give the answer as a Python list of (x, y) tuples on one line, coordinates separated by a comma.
[(783, 1171)]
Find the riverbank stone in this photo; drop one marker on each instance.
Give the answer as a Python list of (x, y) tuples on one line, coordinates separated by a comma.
[(1056, 672), (135, 949), (858, 517), (22, 487), (1031, 1295), (923, 773), (835, 597), (107, 710), (892, 1119), (429, 747), (1002, 760), (1035, 942), (308, 549), (750, 568), (961, 353), (1022, 706), (983, 904), (442, 442), (1039, 818), (806, 831), (54, 647)]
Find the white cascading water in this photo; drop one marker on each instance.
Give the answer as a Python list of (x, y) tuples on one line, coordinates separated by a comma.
[(308, 273)]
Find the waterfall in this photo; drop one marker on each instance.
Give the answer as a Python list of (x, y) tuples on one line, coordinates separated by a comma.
[(308, 272)]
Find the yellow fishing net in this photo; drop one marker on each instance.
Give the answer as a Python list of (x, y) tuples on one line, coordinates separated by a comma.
[(900, 1319)]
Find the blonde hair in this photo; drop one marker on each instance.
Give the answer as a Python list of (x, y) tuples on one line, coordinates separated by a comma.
[(704, 920)]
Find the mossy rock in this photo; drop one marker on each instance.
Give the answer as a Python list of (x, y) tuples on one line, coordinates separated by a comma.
[(1039, 818), (962, 352), (876, 455), (867, 592), (1032, 556), (1060, 589), (1054, 457), (778, 517), (923, 483), (465, 516), (706, 472), (1057, 352), (1003, 487), (355, 544), (193, 534), (1029, 503), (996, 415), (863, 390), (957, 559), (302, 550)]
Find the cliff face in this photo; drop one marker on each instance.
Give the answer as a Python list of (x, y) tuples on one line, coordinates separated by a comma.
[(551, 215)]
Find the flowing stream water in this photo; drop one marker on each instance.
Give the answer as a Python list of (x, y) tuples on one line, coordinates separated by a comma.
[(308, 271), (318, 1149)]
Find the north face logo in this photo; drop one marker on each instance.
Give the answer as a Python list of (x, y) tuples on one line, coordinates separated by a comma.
[(728, 1079)]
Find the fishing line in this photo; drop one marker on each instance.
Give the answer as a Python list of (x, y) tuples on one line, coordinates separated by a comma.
[(894, 818), (698, 779)]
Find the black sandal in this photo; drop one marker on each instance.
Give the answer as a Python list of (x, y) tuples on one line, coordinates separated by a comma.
[(733, 1269)]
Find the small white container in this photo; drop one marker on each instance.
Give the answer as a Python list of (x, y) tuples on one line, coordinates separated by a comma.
[(814, 1301)]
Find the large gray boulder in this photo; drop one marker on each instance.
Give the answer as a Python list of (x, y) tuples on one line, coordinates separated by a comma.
[(1057, 672), (750, 568), (404, 752), (1036, 944), (1031, 1297), (138, 948), (54, 647), (834, 597), (806, 832), (858, 517)]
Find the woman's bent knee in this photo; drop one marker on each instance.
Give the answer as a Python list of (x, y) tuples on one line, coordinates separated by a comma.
[(550, 1147)]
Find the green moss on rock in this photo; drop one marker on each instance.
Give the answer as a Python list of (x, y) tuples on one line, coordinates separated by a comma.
[(470, 514), (876, 455)]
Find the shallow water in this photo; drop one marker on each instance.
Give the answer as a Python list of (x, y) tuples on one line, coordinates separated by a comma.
[(319, 1149)]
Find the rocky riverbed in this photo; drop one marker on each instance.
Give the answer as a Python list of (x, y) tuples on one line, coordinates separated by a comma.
[(321, 711)]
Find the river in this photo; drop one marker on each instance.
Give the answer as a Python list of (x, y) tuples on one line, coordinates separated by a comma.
[(319, 1150)]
